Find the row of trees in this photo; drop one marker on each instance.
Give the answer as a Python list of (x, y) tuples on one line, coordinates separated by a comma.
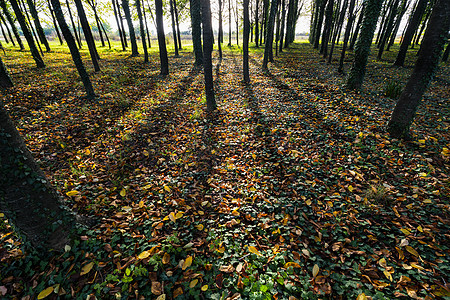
[(33, 206)]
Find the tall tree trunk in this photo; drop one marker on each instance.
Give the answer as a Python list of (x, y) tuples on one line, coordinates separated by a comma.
[(126, 10), (142, 29), (357, 28), (220, 38), (90, 94), (28, 36), (33, 33), (177, 23), (4, 32), (369, 23), (327, 28), (88, 35), (26, 197), (348, 29), (207, 61), (38, 25), (424, 24), (196, 24), (283, 22), (336, 33), (409, 33), (77, 36), (97, 21), (146, 26), (318, 30), (161, 38), (55, 23), (124, 32), (174, 30), (229, 23), (384, 10), (266, 8), (5, 79), (269, 33), (401, 12), (257, 24), (426, 65), (7, 29), (11, 23), (388, 30), (245, 43)]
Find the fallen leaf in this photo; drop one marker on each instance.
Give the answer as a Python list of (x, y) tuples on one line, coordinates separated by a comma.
[(86, 268), (315, 270), (45, 293), (187, 263)]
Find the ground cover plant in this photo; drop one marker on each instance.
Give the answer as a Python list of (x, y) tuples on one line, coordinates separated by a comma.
[(291, 189)]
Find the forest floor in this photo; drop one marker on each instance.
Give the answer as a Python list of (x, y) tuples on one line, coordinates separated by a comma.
[(292, 189)]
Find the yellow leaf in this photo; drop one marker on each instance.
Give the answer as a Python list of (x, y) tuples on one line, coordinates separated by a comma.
[(2, 215), (420, 228), (382, 262), (193, 283), (405, 231), (87, 268), (361, 297), (253, 250), (144, 255), (204, 288), (167, 188), (235, 212), (72, 193), (178, 292), (161, 297), (406, 267), (123, 193), (254, 156), (292, 264), (146, 153), (350, 188), (199, 227), (187, 263), (415, 265), (45, 293), (179, 215), (141, 204), (308, 202), (388, 275), (315, 270), (411, 250), (166, 258), (172, 217)]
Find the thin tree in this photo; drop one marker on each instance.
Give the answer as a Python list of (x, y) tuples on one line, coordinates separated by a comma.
[(74, 27), (269, 33), (245, 41), (327, 28), (28, 19), (318, 29), (11, 23), (126, 10), (4, 32), (175, 9), (161, 38), (369, 23), (88, 35), (220, 37), (55, 23), (229, 23), (141, 26), (283, 22), (28, 36), (348, 29), (336, 33), (174, 30), (207, 60), (426, 65), (90, 94), (196, 24), (357, 28), (37, 24), (119, 28), (121, 23), (388, 30), (146, 25), (5, 79)]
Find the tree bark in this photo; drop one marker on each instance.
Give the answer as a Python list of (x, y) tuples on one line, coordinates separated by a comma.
[(369, 23), (174, 30), (121, 23), (318, 30), (142, 29), (161, 38), (269, 33), (5, 79), (29, 23), (196, 23), (283, 22), (356, 31), (28, 36), (245, 42), (336, 34), (220, 37), (126, 10), (118, 25), (207, 60), (426, 65), (175, 9), (90, 94), (4, 32), (409, 33), (327, 28), (257, 24), (388, 30), (74, 27), (38, 25), (55, 23), (348, 29), (11, 23)]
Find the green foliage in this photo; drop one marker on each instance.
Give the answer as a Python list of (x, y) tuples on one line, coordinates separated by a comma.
[(393, 89)]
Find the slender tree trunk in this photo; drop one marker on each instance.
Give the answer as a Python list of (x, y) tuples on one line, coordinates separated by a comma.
[(26, 197), (348, 28), (336, 34), (220, 38), (357, 28), (33, 33), (327, 28), (388, 30), (196, 24), (266, 7), (283, 22), (4, 32), (88, 35), (177, 23), (426, 65), (257, 24), (207, 50), (245, 42), (290, 21), (90, 94), (124, 32), (161, 38), (229, 23), (269, 33), (422, 28), (146, 26), (38, 25), (126, 9), (97, 21), (5, 79), (28, 36), (382, 22), (141, 26), (77, 36), (55, 23), (319, 23), (369, 23), (7, 29), (11, 23), (409, 33), (174, 30)]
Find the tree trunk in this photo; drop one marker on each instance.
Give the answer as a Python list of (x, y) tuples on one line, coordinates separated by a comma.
[(426, 65), (348, 29), (174, 30), (5, 79), (97, 21), (369, 23), (318, 30), (220, 38), (207, 61), (196, 24), (388, 30), (121, 23), (118, 24), (336, 33), (3, 31), (283, 22), (55, 23), (402, 10), (177, 23), (33, 33), (229, 23), (74, 27), (269, 33), (126, 10), (28, 36), (245, 42), (327, 28), (11, 23), (384, 10), (90, 94), (161, 38), (26, 197), (257, 24), (37, 24), (142, 29), (146, 26), (409, 33), (88, 35), (422, 28), (356, 31)]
